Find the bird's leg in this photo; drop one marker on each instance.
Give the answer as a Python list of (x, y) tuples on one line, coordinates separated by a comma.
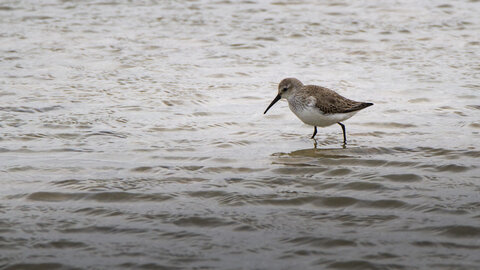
[(314, 131), (344, 134)]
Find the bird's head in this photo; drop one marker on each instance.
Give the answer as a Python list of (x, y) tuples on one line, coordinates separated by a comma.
[(285, 88)]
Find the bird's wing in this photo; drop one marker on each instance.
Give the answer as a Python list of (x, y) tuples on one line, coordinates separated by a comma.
[(329, 101)]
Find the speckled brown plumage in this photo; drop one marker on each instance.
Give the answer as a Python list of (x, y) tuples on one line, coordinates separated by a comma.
[(328, 101)]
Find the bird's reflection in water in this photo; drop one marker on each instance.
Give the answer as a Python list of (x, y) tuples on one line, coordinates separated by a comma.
[(320, 152), (315, 144)]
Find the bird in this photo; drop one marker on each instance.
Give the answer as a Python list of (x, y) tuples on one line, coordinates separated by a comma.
[(316, 105)]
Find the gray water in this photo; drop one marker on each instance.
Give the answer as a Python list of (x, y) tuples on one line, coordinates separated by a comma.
[(132, 135)]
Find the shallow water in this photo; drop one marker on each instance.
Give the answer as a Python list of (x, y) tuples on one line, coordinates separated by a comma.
[(133, 135)]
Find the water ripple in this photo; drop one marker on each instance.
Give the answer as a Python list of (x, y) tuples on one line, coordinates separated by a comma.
[(99, 197)]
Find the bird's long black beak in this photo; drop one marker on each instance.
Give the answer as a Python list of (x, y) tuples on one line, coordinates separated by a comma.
[(277, 98)]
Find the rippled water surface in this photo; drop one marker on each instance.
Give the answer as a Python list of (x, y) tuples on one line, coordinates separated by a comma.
[(133, 135)]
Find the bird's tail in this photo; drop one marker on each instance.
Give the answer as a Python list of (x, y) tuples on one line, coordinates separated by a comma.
[(360, 106)]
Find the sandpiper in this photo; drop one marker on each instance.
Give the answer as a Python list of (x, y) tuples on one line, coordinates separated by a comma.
[(316, 105)]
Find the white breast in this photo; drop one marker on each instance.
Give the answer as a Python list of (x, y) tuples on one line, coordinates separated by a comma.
[(311, 115)]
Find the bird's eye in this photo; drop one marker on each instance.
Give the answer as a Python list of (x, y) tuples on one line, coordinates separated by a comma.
[(284, 89)]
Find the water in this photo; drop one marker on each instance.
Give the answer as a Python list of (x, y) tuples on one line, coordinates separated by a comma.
[(133, 135)]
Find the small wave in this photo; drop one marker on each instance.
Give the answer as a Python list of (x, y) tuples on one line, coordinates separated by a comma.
[(198, 221), (103, 230), (455, 231), (275, 200), (147, 266), (444, 244), (460, 231), (384, 204), (362, 186), (38, 266), (389, 125), (107, 133), (24, 109), (403, 177), (419, 100), (452, 168), (41, 18), (363, 264), (98, 211), (60, 244), (338, 201), (6, 8), (99, 197), (323, 242), (353, 40)]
